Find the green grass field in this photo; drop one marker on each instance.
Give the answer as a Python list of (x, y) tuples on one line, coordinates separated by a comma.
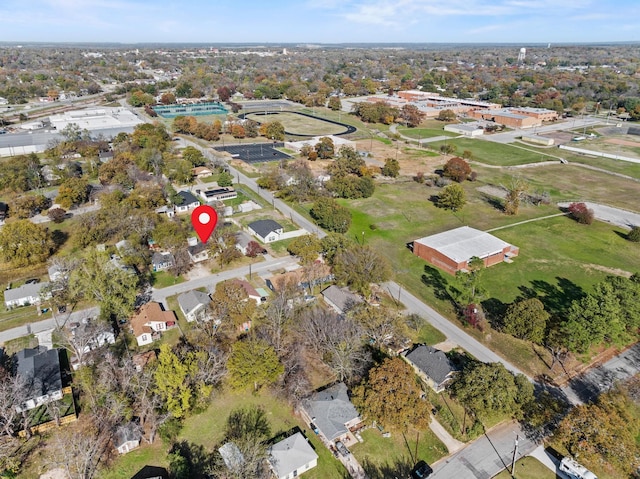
[(295, 124), (420, 133), (392, 456), (528, 468), (557, 255), (495, 153), (207, 429)]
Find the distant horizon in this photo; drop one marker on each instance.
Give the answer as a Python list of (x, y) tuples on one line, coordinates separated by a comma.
[(324, 22), (275, 44)]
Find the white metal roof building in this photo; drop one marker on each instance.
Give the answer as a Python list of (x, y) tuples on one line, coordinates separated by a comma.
[(451, 250), (96, 119)]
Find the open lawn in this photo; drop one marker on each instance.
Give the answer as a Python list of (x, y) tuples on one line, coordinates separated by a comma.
[(420, 133), (126, 466), (570, 183), (394, 456), (490, 153), (295, 124), (162, 279), (558, 257), (207, 428), (528, 468)]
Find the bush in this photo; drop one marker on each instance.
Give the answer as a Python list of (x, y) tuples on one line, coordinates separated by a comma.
[(634, 234), (57, 215), (419, 178), (457, 169), (581, 213)]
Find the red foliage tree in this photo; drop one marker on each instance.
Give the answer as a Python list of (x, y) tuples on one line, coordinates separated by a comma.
[(581, 213), (254, 249), (457, 169)]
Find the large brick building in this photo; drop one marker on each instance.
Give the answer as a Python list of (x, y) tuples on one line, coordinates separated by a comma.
[(451, 250), (506, 117)]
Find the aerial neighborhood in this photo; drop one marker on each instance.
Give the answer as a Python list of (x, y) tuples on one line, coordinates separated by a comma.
[(423, 262)]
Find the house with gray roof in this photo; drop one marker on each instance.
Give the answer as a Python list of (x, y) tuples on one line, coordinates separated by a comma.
[(40, 368), (194, 305), (332, 413), (25, 294), (266, 231), (185, 202), (242, 241), (162, 261), (340, 299), (292, 456), (432, 366)]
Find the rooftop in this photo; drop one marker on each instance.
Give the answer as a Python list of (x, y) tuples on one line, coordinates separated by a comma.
[(330, 410), (290, 454), (191, 300), (461, 244), (433, 362), (264, 227), (41, 369)]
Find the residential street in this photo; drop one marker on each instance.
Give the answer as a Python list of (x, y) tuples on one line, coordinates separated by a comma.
[(486, 456), (210, 281), (47, 324)]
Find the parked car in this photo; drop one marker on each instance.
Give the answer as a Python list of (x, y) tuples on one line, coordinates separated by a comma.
[(421, 470), (342, 449)]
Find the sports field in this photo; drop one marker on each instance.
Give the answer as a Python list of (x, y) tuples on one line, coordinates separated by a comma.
[(297, 124)]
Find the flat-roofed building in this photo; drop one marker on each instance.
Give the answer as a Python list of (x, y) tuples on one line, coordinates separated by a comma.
[(541, 114), (452, 250), (506, 118)]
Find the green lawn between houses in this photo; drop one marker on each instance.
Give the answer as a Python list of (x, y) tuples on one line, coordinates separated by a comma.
[(207, 429)]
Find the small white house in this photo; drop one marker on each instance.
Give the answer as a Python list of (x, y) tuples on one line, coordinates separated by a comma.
[(194, 305), (25, 294), (186, 202), (266, 231), (291, 457)]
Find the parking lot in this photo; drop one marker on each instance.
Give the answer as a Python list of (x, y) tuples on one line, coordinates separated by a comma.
[(255, 153)]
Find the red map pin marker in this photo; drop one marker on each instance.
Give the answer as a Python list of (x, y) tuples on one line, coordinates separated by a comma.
[(204, 219)]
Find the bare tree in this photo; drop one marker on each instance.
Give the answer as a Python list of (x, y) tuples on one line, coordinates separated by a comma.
[(13, 393), (80, 449), (85, 337), (338, 341)]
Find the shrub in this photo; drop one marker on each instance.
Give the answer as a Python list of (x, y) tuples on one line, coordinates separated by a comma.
[(419, 178), (634, 234), (457, 169), (581, 213)]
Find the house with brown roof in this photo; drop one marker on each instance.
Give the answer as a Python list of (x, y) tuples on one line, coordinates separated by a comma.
[(251, 291), (202, 172), (150, 321)]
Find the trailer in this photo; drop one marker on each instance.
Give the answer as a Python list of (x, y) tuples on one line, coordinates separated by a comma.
[(575, 470)]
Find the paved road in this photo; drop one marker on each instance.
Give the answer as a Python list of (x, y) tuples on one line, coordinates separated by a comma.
[(510, 136), (486, 456), (623, 218), (47, 324), (449, 329), (589, 385), (210, 281)]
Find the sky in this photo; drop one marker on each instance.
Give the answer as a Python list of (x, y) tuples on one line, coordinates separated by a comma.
[(320, 21)]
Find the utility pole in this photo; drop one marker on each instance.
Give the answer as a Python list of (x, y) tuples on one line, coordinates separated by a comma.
[(515, 453)]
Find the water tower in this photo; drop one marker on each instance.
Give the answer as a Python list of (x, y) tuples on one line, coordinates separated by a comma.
[(522, 54)]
